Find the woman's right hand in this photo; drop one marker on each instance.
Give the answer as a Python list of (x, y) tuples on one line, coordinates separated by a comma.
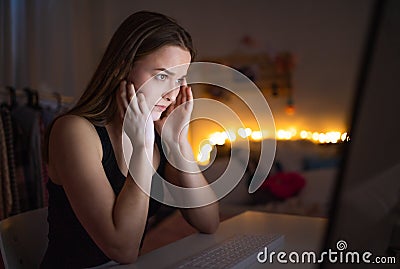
[(135, 116)]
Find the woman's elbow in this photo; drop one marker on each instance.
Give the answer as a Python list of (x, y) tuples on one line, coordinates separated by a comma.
[(210, 228), (122, 255)]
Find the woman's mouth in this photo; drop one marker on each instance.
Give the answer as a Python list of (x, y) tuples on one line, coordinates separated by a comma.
[(160, 108)]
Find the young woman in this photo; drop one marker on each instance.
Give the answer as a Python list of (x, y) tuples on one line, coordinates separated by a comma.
[(98, 206)]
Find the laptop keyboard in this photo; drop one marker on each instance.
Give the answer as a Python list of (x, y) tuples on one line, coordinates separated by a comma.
[(239, 251)]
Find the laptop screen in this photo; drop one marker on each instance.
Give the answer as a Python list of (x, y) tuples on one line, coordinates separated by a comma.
[(365, 205)]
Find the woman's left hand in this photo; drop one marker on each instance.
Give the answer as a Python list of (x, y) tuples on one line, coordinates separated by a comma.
[(174, 123)]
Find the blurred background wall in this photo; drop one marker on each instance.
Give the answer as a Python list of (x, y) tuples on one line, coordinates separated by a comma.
[(55, 45)]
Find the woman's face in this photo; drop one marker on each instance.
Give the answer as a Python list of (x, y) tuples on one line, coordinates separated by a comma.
[(159, 76)]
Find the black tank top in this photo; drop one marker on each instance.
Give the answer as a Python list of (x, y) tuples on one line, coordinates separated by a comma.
[(70, 246)]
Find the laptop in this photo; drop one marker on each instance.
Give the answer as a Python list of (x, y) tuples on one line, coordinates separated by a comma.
[(365, 219)]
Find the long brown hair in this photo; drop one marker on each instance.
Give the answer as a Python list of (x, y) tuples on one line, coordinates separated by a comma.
[(140, 34)]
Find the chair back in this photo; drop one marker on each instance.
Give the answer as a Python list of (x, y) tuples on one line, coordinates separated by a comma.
[(23, 239)]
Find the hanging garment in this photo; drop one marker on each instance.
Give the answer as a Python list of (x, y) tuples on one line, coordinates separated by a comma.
[(8, 132), (5, 175), (28, 148)]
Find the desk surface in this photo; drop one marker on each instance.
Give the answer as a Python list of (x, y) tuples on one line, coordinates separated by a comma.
[(301, 234)]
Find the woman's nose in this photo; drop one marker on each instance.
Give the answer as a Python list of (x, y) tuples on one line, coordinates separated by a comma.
[(171, 95)]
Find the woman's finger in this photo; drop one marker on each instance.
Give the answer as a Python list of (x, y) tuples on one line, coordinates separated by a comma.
[(184, 94), (189, 99), (170, 108), (133, 103), (179, 98), (189, 94), (142, 104), (122, 98), (184, 82), (130, 92)]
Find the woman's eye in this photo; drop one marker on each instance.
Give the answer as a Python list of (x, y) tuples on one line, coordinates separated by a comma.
[(180, 81), (161, 77)]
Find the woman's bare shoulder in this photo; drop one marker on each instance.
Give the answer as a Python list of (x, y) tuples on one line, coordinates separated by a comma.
[(73, 141), (68, 121), (73, 125), (73, 130)]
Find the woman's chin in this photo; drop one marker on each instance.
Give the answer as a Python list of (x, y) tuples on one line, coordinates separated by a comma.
[(155, 115)]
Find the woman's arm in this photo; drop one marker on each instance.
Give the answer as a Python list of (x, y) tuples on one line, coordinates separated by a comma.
[(116, 224), (188, 175), (183, 170)]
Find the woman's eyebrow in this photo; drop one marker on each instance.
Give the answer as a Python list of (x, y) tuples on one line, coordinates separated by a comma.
[(165, 70), (168, 72)]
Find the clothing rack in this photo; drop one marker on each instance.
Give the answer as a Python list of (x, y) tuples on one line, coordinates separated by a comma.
[(6, 92), (25, 115)]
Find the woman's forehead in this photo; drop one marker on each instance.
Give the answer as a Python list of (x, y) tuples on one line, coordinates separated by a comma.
[(172, 58)]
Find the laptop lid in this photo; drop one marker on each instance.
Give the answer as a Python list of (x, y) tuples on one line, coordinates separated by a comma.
[(365, 204)]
